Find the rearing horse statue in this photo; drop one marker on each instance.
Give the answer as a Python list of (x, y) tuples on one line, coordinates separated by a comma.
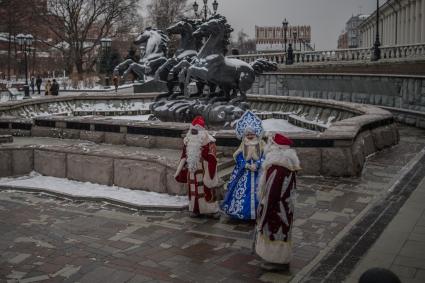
[(212, 67), (155, 55), (189, 46)]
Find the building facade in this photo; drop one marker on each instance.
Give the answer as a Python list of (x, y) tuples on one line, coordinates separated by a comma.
[(343, 40), (351, 36), (401, 22), (271, 39)]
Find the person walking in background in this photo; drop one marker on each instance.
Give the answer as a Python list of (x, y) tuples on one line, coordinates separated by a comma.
[(48, 87), (38, 82), (115, 80), (54, 89), (32, 84), (241, 199), (275, 216)]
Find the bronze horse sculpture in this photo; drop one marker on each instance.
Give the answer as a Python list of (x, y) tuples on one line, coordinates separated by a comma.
[(155, 55), (212, 67), (187, 50)]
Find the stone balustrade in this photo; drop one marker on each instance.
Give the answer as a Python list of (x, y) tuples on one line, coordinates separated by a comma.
[(354, 54)]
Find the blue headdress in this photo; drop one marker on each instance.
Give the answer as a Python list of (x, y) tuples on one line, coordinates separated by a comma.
[(249, 121)]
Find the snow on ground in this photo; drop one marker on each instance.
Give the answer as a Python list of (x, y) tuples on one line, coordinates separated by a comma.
[(132, 118), (80, 189), (281, 125)]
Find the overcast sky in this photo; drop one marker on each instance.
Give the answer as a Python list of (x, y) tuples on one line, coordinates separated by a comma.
[(326, 17)]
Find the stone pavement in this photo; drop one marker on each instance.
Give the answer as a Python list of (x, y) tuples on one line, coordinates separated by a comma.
[(401, 247), (55, 240)]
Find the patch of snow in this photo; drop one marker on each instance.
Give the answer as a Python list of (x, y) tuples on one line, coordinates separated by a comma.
[(281, 125), (86, 189), (132, 118)]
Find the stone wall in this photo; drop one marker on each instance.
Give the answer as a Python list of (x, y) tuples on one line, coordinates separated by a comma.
[(70, 103), (150, 174), (404, 95)]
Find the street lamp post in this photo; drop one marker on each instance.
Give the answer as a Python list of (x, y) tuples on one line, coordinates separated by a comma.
[(285, 29), (106, 44), (25, 42), (205, 9), (376, 51)]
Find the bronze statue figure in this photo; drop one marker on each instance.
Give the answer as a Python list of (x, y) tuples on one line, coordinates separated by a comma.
[(155, 55)]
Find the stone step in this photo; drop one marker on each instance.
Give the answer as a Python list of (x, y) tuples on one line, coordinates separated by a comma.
[(6, 139), (225, 162), (225, 173)]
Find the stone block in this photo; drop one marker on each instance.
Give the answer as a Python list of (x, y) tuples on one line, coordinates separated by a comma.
[(337, 162), (174, 188), (167, 142), (384, 137), (140, 140), (89, 168), (70, 134), (310, 159), (50, 163), (96, 137), (6, 163), (46, 132), (368, 143), (359, 154), (142, 175), (22, 161), (115, 138)]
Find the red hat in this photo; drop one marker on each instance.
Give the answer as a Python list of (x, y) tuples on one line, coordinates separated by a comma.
[(280, 139), (198, 121)]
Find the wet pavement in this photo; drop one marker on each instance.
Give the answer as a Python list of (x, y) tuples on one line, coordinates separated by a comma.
[(48, 239)]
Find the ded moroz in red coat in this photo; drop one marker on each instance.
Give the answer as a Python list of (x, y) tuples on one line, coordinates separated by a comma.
[(276, 204), (201, 183)]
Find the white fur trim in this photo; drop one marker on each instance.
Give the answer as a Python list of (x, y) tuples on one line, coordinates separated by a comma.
[(207, 207), (281, 157), (287, 158), (208, 181), (273, 251), (180, 167)]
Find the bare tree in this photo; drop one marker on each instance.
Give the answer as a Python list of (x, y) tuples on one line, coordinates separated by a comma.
[(163, 13), (81, 24), (15, 17)]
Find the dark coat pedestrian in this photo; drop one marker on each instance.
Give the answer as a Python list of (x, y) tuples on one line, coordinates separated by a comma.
[(54, 88), (38, 82), (32, 84), (116, 82)]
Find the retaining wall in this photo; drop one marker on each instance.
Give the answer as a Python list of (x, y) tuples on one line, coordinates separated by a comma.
[(106, 168), (403, 95)]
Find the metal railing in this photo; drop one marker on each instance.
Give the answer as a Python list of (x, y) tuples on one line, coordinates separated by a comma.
[(410, 51)]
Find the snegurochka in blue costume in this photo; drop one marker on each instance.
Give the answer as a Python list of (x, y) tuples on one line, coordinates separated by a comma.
[(241, 199)]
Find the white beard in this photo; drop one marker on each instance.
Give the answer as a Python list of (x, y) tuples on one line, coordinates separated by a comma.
[(193, 150)]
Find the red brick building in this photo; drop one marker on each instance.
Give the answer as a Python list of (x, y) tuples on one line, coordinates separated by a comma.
[(271, 39)]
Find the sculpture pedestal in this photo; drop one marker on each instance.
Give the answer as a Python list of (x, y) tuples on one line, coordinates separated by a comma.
[(150, 86)]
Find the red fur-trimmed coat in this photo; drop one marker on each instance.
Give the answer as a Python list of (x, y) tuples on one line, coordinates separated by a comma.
[(276, 209), (202, 182)]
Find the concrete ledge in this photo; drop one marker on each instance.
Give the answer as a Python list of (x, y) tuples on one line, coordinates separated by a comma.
[(88, 168), (6, 138), (149, 173), (95, 199)]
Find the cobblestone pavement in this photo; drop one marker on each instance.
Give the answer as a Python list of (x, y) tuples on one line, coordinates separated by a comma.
[(54, 240)]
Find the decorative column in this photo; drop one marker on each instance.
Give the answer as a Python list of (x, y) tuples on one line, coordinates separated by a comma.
[(412, 22), (406, 24), (423, 22), (418, 21)]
